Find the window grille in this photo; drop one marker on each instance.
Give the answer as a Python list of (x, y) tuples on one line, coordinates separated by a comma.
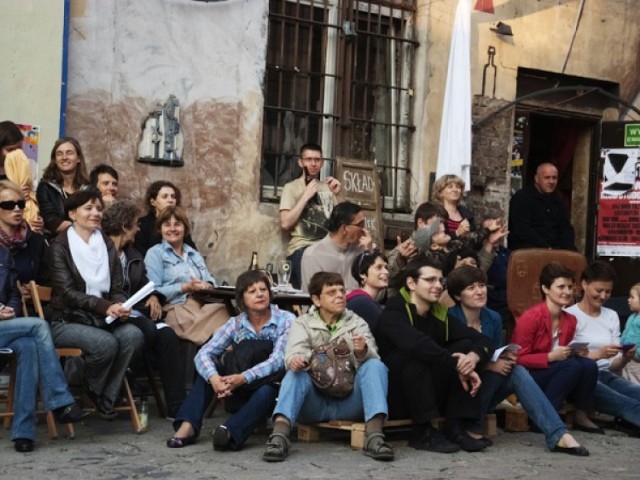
[(339, 74)]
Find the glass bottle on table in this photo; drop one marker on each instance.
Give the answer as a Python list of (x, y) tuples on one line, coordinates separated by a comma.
[(254, 262)]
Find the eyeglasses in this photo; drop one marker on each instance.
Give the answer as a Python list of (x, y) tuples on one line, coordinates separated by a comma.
[(439, 280), (311, 159), (11, 204), (359, 224)]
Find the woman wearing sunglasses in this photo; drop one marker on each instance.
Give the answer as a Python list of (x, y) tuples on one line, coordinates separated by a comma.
[(26, 247)]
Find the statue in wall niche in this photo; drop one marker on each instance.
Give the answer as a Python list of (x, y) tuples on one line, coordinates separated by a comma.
[(162, 140)]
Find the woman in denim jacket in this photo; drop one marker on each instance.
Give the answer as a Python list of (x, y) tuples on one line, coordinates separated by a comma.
[(180, 276)]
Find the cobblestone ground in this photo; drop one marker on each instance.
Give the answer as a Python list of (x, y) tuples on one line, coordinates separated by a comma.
[(108, 450)]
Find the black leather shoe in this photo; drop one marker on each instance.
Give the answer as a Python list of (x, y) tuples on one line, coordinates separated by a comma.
[(579, 451), (221, 439), (584, 428), (433, 441), (456, 433), (626, 427), (70, 414), (23, 445)]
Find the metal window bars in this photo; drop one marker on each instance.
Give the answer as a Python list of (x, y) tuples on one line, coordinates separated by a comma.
[(339, 74)]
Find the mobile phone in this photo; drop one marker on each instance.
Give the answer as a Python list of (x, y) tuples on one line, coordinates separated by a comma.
[(308, 177), (627, 346)]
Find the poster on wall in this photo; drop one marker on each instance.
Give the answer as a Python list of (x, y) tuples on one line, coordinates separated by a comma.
[(618, 233)]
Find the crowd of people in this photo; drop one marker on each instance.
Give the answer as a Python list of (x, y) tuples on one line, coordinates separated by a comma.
[(416, 334)]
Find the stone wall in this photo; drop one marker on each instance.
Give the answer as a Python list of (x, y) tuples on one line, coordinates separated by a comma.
[(491, 158)]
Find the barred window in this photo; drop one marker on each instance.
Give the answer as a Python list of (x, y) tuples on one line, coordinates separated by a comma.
[(339, 74)]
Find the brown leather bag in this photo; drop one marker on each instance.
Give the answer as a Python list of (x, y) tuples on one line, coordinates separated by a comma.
[(331, 369)]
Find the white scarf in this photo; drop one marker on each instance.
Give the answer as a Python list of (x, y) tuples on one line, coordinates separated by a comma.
[(92, 261)]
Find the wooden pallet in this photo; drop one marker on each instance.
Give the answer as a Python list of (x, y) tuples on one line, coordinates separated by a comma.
[(311, 432)]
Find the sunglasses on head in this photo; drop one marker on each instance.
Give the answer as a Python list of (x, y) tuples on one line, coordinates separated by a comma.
[(11, 204)]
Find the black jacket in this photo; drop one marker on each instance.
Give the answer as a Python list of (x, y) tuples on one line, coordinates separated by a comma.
[(428, 338), (51, 200), (30, 259), (136, 275), (539, 220), (69, 287)]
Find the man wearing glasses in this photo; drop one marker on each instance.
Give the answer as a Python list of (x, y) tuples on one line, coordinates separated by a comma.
[(305, 206), (347, 238), (432, 362)]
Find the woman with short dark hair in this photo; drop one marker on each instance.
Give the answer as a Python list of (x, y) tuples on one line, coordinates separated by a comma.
[(160, 195), (370, 270), (300, 401), (86, 276), (163, 345), (544, 332), (502, 377), (260, 333)]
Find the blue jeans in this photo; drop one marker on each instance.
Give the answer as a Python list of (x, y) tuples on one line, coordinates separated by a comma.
[(296, 267), (618, 397), (241, 424), (299, 400), (37, 362), (496, 387), (574, 379), (107, 354)]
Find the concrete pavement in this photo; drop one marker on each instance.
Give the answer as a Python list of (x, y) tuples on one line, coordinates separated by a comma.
[(109, 450)]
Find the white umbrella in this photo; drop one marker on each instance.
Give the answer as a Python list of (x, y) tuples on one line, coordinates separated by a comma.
[(454, 152)]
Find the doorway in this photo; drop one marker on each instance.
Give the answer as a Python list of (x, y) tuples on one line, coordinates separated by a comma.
[(566, 142)]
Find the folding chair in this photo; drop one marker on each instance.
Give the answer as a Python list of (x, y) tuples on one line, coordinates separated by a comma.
[(41, 294)]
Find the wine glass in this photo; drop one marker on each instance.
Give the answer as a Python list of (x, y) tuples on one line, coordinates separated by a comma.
[(284, 274)]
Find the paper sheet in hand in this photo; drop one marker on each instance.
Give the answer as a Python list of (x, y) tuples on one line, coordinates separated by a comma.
[(578, 345), (135, 298), (512, 347)]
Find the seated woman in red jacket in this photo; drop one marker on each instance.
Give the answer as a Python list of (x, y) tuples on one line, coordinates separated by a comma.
[(544, 332)]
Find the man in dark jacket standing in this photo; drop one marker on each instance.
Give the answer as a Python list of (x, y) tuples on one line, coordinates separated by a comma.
[(432, 362), (537, 216)]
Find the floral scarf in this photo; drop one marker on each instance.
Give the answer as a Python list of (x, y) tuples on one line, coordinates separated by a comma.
[(18, 239)]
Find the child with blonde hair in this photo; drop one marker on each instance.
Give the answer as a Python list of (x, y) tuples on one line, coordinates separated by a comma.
[(631, 335)]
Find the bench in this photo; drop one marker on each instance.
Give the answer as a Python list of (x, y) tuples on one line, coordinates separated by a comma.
[(311, 432)]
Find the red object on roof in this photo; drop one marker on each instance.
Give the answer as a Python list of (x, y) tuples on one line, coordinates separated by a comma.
[(484, 6)]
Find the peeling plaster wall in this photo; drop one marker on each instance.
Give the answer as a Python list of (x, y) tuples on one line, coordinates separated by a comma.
[(128, 55)]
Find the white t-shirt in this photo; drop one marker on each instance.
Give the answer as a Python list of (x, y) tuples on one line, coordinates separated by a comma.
[(598, 331)]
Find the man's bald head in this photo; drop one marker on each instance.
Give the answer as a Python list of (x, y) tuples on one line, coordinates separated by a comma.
[(546, 178)]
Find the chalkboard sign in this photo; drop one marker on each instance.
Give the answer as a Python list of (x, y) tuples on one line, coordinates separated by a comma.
[(361, 185)]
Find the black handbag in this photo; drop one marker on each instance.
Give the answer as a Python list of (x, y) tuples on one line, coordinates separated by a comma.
[(244, 355)]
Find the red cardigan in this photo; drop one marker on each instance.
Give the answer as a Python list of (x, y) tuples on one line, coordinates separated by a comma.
[(533, 334)]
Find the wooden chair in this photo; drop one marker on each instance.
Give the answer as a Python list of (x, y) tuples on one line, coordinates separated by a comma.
[(7, 400), (41, 294)]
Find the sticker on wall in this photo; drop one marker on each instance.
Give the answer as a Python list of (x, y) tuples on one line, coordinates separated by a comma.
[(162, 140), (30, 141)]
